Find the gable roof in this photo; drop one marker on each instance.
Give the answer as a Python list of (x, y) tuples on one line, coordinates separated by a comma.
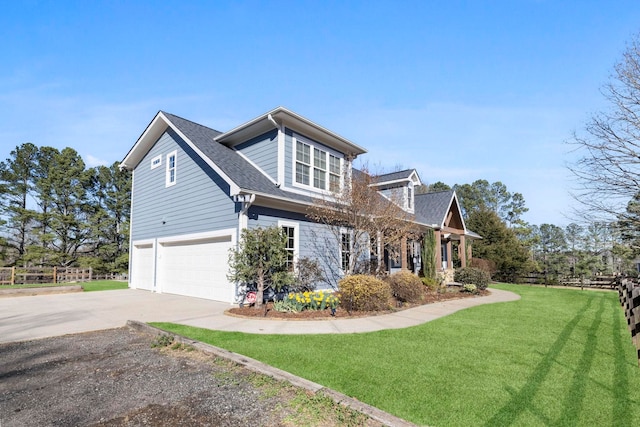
[(281, 116), (432, 208), (395, 176), (233, 168)]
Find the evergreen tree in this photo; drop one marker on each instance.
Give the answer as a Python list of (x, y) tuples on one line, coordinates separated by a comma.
[(16, 184), (499, 244)]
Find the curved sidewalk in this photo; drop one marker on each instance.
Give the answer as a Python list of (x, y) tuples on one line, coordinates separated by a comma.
[(401, 319), (32, 317)]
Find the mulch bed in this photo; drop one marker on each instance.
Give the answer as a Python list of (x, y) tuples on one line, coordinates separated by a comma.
[(269, 313)]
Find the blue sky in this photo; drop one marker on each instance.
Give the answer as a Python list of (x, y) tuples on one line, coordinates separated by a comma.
[(459, 90)]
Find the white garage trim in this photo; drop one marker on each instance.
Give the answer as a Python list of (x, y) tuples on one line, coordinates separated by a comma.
[(200, 236), (196, 265), (142, 271)]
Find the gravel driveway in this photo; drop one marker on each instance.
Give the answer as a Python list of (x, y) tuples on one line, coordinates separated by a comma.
[(115, 378)]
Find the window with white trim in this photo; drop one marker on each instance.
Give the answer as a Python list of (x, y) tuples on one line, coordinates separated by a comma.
[(334, 173), (290, 245), (156, 161), (345, 251), (316, 167), (170, 178), (303, 163), (409, 197), (290, 231), (319, 168)]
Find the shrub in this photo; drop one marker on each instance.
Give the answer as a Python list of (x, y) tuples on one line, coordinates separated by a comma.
[(406, 286), (308, 273), (361, 292), (431, 283), (478, 277), (470, 288)]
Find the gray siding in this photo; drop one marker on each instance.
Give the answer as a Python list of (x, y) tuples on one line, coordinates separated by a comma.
[(288, 158), (315, 240), (263, 151), (198, 202)]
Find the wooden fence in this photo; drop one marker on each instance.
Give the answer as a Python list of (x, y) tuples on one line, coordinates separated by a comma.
[(629, 293), (35, 275), (581, 282)]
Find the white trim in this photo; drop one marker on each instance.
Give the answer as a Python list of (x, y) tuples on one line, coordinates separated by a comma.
[(296, 237), (150, 136), (295, 138), (350, 233), (162, 242), (133, 181), (233, 187), (286, 117), (199, 236), (281, 157), (156, 161), (154, 245), (167, 179)]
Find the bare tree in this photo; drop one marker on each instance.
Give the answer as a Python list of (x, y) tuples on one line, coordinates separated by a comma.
[(359, 223), (608, 169)]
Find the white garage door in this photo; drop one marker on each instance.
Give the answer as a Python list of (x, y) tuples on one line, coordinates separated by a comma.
[(142, 266), (196, 268)]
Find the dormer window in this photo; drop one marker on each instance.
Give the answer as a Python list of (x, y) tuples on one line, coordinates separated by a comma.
[(334, 173), (410, 198), (316, 167), (319, 169), (303, 163)]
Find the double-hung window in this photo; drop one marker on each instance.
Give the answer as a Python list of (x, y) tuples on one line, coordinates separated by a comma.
[(345, 251), (291, 244), (316, 167), (303, 162), (334, 173), (319, 169), (170, 178)]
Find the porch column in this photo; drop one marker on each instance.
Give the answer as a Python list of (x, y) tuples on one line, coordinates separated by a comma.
[(462, 253), (403, 254), (438, 249), (449, 260)]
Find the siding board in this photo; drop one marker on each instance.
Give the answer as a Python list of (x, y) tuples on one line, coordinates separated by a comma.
[(198, 202), (263, 151)]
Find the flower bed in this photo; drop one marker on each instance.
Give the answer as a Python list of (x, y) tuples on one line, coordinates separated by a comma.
[(270, 312)]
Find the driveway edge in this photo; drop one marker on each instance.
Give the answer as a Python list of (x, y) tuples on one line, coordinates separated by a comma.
[(278, 374)]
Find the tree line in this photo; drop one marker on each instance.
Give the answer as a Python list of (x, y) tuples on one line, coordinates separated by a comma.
[(54, 211), (511, 248)]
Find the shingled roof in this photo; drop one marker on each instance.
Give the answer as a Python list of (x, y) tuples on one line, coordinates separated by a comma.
[(432, 208), (239, 170), (394, 176)]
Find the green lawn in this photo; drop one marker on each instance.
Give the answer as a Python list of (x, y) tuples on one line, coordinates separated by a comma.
[(555, 357), (104, 285), (97, 285)]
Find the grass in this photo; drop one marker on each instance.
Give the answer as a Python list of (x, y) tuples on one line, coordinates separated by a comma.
[(104, 285), (556, 357), (97, 285)]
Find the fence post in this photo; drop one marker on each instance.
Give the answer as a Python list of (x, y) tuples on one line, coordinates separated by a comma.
[(13, 275), (55, 274), (90, 273)]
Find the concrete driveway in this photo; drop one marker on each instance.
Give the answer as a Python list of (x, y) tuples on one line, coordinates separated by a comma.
[(31, 317)]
